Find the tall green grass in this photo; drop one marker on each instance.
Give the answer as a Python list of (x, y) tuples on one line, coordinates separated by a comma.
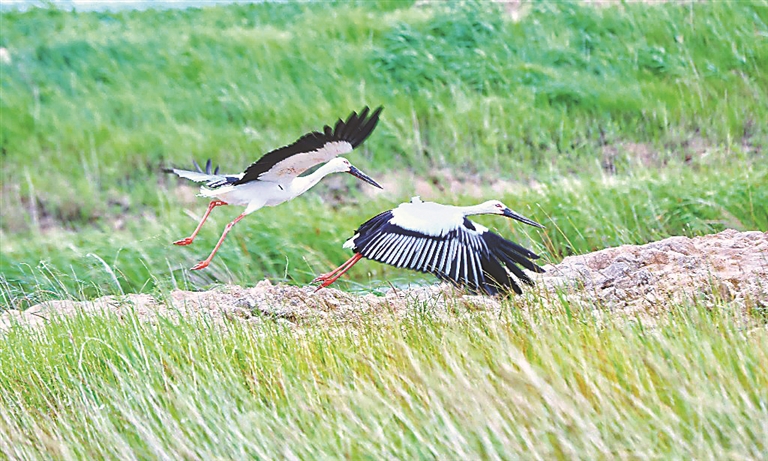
[(555, 384), (104, 99)]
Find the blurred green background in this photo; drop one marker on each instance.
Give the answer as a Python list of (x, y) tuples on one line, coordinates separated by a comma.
[(614, 124)]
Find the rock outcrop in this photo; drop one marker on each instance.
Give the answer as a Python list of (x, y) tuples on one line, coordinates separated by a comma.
[(730, 266)]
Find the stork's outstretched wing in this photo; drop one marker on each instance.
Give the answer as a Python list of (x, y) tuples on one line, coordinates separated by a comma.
[(467, 254), (283, 164)]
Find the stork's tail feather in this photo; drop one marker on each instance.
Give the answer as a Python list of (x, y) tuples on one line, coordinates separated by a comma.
[(209, 175)]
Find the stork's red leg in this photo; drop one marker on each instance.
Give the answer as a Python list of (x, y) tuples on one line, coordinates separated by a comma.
[(343, 267), (334, 275), (211, 206), (204, 264)]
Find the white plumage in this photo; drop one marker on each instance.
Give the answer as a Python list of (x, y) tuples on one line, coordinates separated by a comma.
[(439, 239), (274, 178), (285, 171), (429, 218)]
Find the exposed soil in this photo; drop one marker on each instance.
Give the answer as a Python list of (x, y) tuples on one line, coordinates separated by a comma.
[(631, 280)]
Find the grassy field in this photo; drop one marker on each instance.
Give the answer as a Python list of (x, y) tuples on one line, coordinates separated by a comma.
[(631, 123), (537, 384), (548, 385), (610, 125)]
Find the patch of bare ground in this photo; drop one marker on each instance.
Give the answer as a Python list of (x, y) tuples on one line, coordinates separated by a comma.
[(442, 184), (633, 281), (517, 9), (21, 213), (36, 212)]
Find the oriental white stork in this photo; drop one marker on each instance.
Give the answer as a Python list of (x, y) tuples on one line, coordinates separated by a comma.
[(274, 178), (439, 239)]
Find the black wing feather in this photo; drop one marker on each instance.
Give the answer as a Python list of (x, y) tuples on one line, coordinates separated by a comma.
[(497, 256), (507, 250), (498, 276), (355, 130)]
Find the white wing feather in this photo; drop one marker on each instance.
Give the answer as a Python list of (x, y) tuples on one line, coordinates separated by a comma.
[(285, 171)]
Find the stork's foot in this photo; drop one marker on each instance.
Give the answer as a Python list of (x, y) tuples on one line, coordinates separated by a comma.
[(334, 275), (326, 279), (200, 265), (184, 241), (323, 277)]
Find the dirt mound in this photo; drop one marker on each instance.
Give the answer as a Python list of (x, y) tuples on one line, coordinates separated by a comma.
[(731, 266), (631, 279), (263, 302)]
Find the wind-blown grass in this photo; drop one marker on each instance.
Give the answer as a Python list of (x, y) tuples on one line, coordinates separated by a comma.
[(556, 384)]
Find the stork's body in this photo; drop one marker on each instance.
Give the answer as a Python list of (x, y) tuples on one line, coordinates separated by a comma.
[(440, 239), (257, 194), (274, 178)]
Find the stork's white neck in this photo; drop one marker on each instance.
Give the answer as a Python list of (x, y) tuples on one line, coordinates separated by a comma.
[(302, 184), (482, 208)]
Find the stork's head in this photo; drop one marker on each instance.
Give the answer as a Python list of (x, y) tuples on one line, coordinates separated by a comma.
[(342, 165), (496, 207)]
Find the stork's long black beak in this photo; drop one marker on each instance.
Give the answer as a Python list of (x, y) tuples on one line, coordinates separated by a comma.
[(360, 175), (511, 214)]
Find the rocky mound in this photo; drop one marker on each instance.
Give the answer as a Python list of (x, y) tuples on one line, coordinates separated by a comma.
[(630, 279), (730, 266)]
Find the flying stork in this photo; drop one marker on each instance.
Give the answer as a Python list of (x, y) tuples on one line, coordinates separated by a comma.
[(274, 178), (439, 239)]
